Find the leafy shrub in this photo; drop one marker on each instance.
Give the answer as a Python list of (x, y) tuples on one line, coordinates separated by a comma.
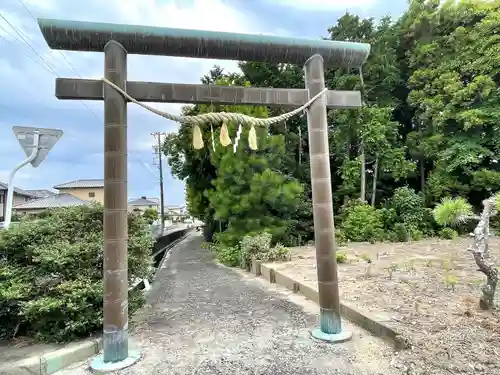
[(301, 227), (389, 217), (362, 223), (340, 238), (415, 233), (256, 246), (448, 233), (277, 253), (409, 206), (51, 273), (405, 216), (228, 255), (452, 211), (428, 225), (494, 225), (341, 257), (401, 232), (150, 215)]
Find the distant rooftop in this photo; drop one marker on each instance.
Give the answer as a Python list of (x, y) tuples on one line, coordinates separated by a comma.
[(178, 206), (41, 193), (18, 191), (175, 210), (54, 201), (82, 184), (143, 201)]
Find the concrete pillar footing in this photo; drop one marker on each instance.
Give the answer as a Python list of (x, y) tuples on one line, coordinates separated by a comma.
[(334, 338), (99, 366)]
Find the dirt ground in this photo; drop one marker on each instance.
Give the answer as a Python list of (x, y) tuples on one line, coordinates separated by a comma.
[(428, 290)]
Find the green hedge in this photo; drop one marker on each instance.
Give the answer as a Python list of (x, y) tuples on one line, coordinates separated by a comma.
[(51, 273)]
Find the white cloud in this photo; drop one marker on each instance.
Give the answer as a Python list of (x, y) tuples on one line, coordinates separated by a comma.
[(23, 176), (27, 88), (325, 4)]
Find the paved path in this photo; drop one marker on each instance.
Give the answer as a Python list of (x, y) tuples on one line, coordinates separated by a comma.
[(204, 319)]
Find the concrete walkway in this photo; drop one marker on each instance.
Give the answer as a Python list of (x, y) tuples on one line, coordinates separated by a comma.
[(204, 318)]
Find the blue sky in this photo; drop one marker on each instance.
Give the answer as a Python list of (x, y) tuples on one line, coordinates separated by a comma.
[(27, 82)]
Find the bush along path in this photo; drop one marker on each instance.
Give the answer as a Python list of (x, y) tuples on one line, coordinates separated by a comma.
[(51, 273), (204, 318)]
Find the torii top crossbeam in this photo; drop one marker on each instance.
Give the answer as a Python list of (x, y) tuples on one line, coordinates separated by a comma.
[(148, 40)]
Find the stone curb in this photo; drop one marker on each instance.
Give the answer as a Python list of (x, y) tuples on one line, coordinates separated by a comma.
[(54, 361), (362, 319)]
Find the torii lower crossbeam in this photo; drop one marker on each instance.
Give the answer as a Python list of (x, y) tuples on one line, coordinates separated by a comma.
[(156, 92)]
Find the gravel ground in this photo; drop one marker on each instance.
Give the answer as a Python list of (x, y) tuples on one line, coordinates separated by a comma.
[(449, 332), (203, 318)]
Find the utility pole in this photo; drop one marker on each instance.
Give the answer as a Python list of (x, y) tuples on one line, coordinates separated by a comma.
[(158, 152)]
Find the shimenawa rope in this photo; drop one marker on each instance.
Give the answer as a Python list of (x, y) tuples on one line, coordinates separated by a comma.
[(218, 116)]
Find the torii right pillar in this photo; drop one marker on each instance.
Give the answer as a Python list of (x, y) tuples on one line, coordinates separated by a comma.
[(330, 323)]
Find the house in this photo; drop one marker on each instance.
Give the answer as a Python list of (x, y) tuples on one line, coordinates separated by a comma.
[(175, 213), (53, 201), (20, 196), (86, 190), (143, 203)]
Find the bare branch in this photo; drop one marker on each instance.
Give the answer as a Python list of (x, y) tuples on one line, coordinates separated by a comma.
[(463, 219)]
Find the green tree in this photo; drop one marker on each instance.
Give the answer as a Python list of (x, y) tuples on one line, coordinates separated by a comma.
[(150, 215), (454, 90), (220, 183), (366, 141), (250, 194)]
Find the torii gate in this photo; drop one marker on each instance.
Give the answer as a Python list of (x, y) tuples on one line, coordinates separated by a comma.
[(116, 41)]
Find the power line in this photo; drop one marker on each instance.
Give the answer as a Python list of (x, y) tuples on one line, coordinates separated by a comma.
[(27, 43), (27, 9), (49, 67), (26, 54)]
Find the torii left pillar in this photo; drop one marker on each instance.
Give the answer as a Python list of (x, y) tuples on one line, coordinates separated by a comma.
[(116, 354)]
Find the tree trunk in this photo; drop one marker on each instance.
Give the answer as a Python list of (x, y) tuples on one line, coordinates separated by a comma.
[(422, 173), (363, 172), (480, 252), (375, 176)]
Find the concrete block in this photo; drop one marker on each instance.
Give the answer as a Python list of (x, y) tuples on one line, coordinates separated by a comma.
[(62, 358), (55, 361), (265, 271), (285, 281), (256, 269), (309, 292), (371, 324)]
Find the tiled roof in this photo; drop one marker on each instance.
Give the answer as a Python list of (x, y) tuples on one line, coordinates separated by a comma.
[(143, 202), (54, 201), (43, 193), (174, 207), (16, 190), (90, 183)]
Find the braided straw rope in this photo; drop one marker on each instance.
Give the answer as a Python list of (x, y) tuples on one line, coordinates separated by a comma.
[(215, 117)]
